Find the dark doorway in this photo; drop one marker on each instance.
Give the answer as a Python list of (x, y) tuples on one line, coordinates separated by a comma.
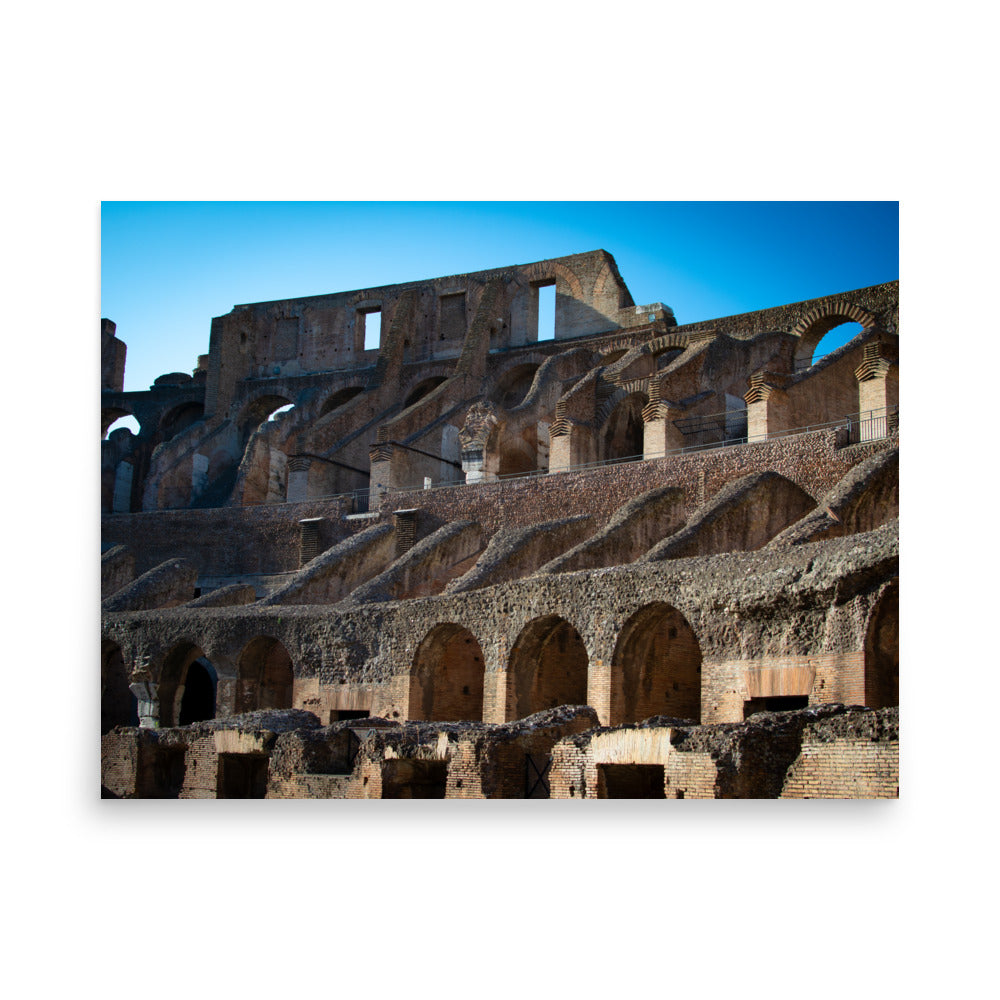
[(198, 700), (783, 703), (242, 776), (632, 781), (342, 714), (414, 779)]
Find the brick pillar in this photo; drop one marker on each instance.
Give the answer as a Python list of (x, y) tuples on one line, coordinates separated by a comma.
[(571, 444), (767, 406), (878, 391), (660, 434), (599, 690), (380, 458), (495, 696)]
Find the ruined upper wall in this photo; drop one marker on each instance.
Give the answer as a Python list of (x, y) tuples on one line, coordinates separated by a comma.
[(112, 358), (881, 302), (327, 332)]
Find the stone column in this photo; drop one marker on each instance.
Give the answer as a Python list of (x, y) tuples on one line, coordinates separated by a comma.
[(147, 695)]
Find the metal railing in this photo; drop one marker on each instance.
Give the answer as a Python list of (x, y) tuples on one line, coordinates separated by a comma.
[(868, 425)]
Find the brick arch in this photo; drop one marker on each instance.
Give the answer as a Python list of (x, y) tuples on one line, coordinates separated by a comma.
[(545, 270), (337, 399), (655, 667), (668, 342), (447, 676), (820, 320), (547, 667), (179, 418), (265, 675), (608, 274), (118, 704), (420, 386), (882, 650), (621, 422), (112, 413), (176, 698), (254, 411), (620, 346)]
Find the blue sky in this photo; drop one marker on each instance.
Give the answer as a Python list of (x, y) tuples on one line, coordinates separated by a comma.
[(168, 267)]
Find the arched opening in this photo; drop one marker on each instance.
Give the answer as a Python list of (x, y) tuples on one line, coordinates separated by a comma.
[(518, 453), (656, 667), (187, 688), (832, 339), (446, 680), (622, 435), (427, 386), (259, 411), (118, 705), (547, 667), (513, 385), (820, 334), (667, 356), (180, 418), (338, 399), (115, 420), (265, 678), (882, 651)]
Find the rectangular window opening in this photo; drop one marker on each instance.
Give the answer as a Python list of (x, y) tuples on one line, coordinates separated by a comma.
[(372, 323), (546, 312), (341, 714), (776, 703)]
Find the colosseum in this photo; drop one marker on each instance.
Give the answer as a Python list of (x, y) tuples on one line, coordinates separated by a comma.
[(469, 558)]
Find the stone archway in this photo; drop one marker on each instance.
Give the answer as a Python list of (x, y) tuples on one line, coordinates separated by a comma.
[(819, 321), (622, 434), (187, 687), (882, 651), (118, 704), (656, 667), (264, 676), (547, 667), (446, 679)]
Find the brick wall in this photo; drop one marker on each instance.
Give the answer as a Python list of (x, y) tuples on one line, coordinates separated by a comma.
[(844, 769), (812, 461)]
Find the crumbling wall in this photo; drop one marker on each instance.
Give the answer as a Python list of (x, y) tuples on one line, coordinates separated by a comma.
[(830, 751)]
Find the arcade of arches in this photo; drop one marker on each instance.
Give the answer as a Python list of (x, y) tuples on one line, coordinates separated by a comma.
[(882, 652), (548, 667), (187, 686), (656, 667), (265, 676), (446, 683)]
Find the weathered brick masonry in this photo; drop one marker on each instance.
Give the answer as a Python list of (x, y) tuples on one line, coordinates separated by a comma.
[(290, 611)]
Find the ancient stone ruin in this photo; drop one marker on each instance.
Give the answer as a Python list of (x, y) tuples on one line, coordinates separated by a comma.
[(402, 543)]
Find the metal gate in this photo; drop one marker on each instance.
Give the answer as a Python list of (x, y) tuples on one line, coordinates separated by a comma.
[(536, 776)]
